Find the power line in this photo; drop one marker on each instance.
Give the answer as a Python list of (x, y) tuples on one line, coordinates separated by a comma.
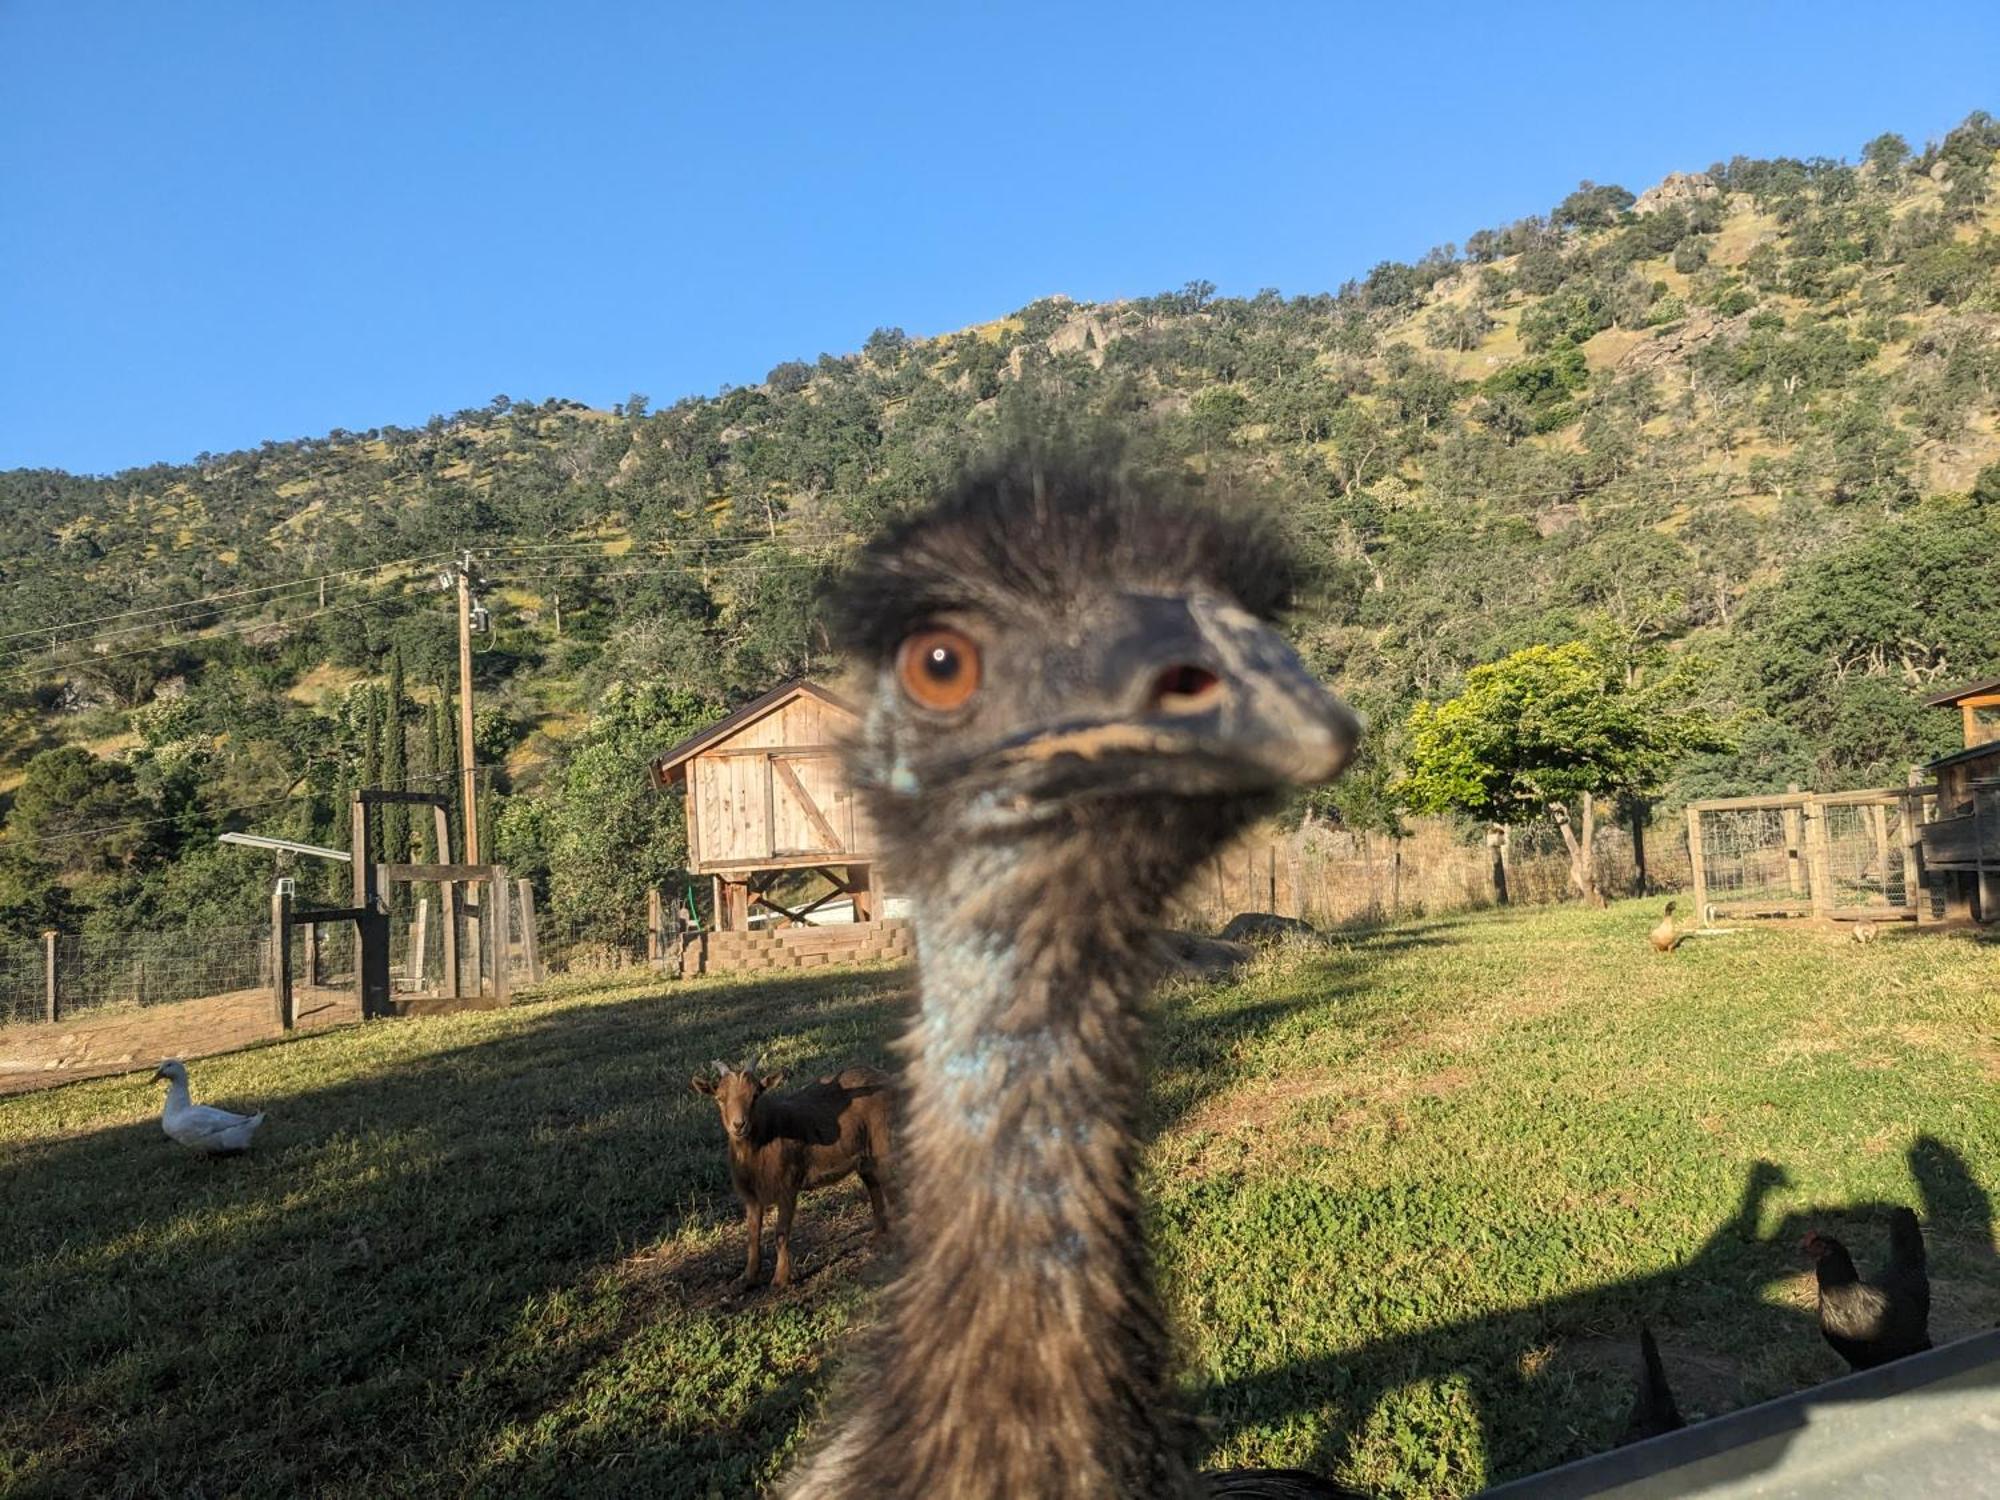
[(211, 814), (244, 628), (307, 582)]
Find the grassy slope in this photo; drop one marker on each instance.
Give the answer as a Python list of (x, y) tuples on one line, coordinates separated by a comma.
[(1411, 1196)]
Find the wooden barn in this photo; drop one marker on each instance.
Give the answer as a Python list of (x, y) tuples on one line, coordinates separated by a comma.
[(1961, 843), (769, 818)]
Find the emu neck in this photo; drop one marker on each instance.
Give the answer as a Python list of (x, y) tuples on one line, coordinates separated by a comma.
[(1023, 1351)]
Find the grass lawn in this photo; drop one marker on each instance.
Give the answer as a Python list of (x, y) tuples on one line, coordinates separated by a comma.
[(1411, 1195)]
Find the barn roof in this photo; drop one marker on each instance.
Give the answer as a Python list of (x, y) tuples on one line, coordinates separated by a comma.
[(1958, 695), (666, 767)]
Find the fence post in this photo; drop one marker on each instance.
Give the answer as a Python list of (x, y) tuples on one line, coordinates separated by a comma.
[(315, 973), (496, 920), (525, 893), (281, 957), (1697, 866), (52, 997), (1819, 866), (417, 945), (1790, 817), (655, 947), (1915, 895)]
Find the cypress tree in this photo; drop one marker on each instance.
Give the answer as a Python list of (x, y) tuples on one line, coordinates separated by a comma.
[(395, 766), (371, 739)]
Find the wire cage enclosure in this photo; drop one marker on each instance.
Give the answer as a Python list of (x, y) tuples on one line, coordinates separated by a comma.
[(1843, 856)]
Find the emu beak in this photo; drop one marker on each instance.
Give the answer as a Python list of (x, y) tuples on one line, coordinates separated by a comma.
[(1198, 697)]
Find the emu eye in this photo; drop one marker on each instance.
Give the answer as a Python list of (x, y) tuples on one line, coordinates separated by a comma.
[(939, 668)]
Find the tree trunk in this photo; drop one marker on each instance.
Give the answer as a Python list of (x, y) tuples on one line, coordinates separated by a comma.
[(1639, 882), (1592, 893), (1582, 862), (1494, 836)]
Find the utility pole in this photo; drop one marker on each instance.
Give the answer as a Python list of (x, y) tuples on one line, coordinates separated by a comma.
[(467, 773)]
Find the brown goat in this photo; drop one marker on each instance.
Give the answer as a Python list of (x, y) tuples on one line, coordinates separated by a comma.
[(783, 1144)]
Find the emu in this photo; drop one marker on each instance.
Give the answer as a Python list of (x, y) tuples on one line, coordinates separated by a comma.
[(783, 1144), (1073, 695)]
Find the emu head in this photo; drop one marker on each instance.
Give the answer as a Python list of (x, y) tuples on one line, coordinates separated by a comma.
[(735, 1091), (1054, 651)]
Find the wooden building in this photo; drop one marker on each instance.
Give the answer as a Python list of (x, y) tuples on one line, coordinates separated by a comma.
[(767, 802), (1961, 843)]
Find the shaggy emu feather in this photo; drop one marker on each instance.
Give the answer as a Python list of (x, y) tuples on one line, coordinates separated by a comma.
[(1073, 695)]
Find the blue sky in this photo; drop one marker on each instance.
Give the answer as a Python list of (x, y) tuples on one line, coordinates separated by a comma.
[(221, 223)]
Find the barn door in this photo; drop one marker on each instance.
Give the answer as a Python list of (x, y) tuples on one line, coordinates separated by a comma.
[(808, 804)]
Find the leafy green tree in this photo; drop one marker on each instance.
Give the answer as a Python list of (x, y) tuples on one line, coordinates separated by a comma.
[(1548, 727), (1458, 327), (602, 837), (1886, 154), (77, 814), (1591, 206)]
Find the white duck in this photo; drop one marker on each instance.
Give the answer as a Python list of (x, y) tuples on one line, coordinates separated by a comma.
[(196, 1126)]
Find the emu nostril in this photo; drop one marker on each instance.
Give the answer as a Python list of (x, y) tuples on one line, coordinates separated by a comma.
[(1185, 689)]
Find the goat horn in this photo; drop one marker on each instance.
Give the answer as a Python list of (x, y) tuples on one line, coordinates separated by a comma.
[(721, 1067)]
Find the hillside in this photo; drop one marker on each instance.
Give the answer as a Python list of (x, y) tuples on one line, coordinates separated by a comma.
[(1749, 418)]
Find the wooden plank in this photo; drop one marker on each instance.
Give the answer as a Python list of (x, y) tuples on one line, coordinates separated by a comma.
[(1695, 862), (52, 989), (1795, 875), (281, 958), (1915, 894), (364, 872), (688, 808), (438, 873), (331, 913), (524, 891), (1770, 801), (790, 777), (755, 752), (1819, 864), (501, 929), (418, 951), (770, 807)]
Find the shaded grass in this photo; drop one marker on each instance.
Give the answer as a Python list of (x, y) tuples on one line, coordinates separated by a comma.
[(1410, 1192)]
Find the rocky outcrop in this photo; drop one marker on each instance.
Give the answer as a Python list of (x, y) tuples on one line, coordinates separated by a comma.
[(1676, 190)]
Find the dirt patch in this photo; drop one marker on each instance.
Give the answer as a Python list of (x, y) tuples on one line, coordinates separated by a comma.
[(1983, 1050), (1256, 1109), (99, 1045), (828, 1247), (1704, 1381)]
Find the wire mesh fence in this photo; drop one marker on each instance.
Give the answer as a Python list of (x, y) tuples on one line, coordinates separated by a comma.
[(1798, 854), (1865, 855), (1331, 878), (1756, 856), (23, 983), (138, 969)]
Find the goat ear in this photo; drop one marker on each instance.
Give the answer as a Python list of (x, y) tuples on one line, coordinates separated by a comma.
[(772, 1080), (701, 1083)]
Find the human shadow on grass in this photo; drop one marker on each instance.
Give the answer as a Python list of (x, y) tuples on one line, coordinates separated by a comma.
[(1553, 1381), (398, 1241)]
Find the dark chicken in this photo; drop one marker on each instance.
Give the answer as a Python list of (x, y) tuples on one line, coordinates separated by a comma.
[(1869, 1323)]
